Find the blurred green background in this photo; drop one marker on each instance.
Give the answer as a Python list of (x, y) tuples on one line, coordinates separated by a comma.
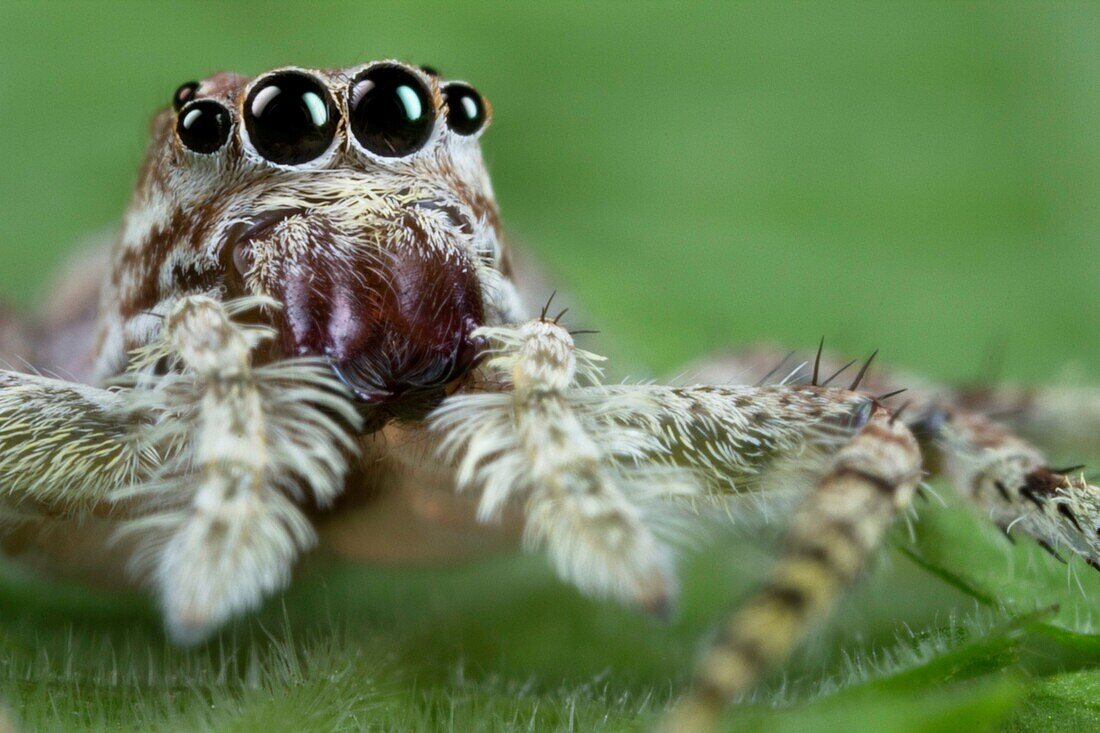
[(920, 178)]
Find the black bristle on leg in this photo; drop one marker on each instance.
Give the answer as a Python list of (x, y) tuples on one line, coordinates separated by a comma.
[(863, 371), (546, 308), (817, 361), (888, 395), (1053, 553), (897, 413), (1031, 496), (1066, 512)]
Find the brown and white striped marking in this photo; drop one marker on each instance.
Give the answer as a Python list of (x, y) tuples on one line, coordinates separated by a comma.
[(831, 539)]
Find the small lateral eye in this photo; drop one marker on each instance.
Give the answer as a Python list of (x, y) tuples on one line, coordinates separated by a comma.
[(184, 94), (465, 108), (290, 118), (203, 126), (391, 111)]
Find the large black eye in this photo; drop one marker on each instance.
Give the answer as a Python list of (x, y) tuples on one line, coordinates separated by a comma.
[(203, 126), (184, 94), (465, 108), (290, 118), (391, 111)]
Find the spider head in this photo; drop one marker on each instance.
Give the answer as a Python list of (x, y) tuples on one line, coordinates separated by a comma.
[(356, 197)]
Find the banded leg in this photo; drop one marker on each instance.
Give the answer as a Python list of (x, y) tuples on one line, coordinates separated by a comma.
[(831, 538)]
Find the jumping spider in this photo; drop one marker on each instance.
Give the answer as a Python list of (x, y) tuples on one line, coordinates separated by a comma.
[(310, 313)]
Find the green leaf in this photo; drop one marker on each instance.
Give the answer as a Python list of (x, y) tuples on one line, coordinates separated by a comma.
[(1060, 704), (971, 707), (1020, 575)]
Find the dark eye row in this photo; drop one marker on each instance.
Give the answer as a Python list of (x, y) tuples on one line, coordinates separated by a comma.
[(290, 117)]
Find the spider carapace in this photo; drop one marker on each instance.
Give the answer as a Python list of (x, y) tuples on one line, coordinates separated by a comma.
[(309, 321)]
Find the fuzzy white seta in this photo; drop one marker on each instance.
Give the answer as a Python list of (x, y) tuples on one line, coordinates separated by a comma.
[(586, 501), (223, 529), (64, 446), (596, 464)]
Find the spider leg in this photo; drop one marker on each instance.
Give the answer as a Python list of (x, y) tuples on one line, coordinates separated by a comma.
[(590, 461), (991, 462), (1015, 487), (651, 441), (838, 528), (203, 455), (1062, 419), (592, 516), (65, 446), (245, 443)]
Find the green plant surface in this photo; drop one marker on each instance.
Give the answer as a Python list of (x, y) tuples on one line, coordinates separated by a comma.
[(920, 178)]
